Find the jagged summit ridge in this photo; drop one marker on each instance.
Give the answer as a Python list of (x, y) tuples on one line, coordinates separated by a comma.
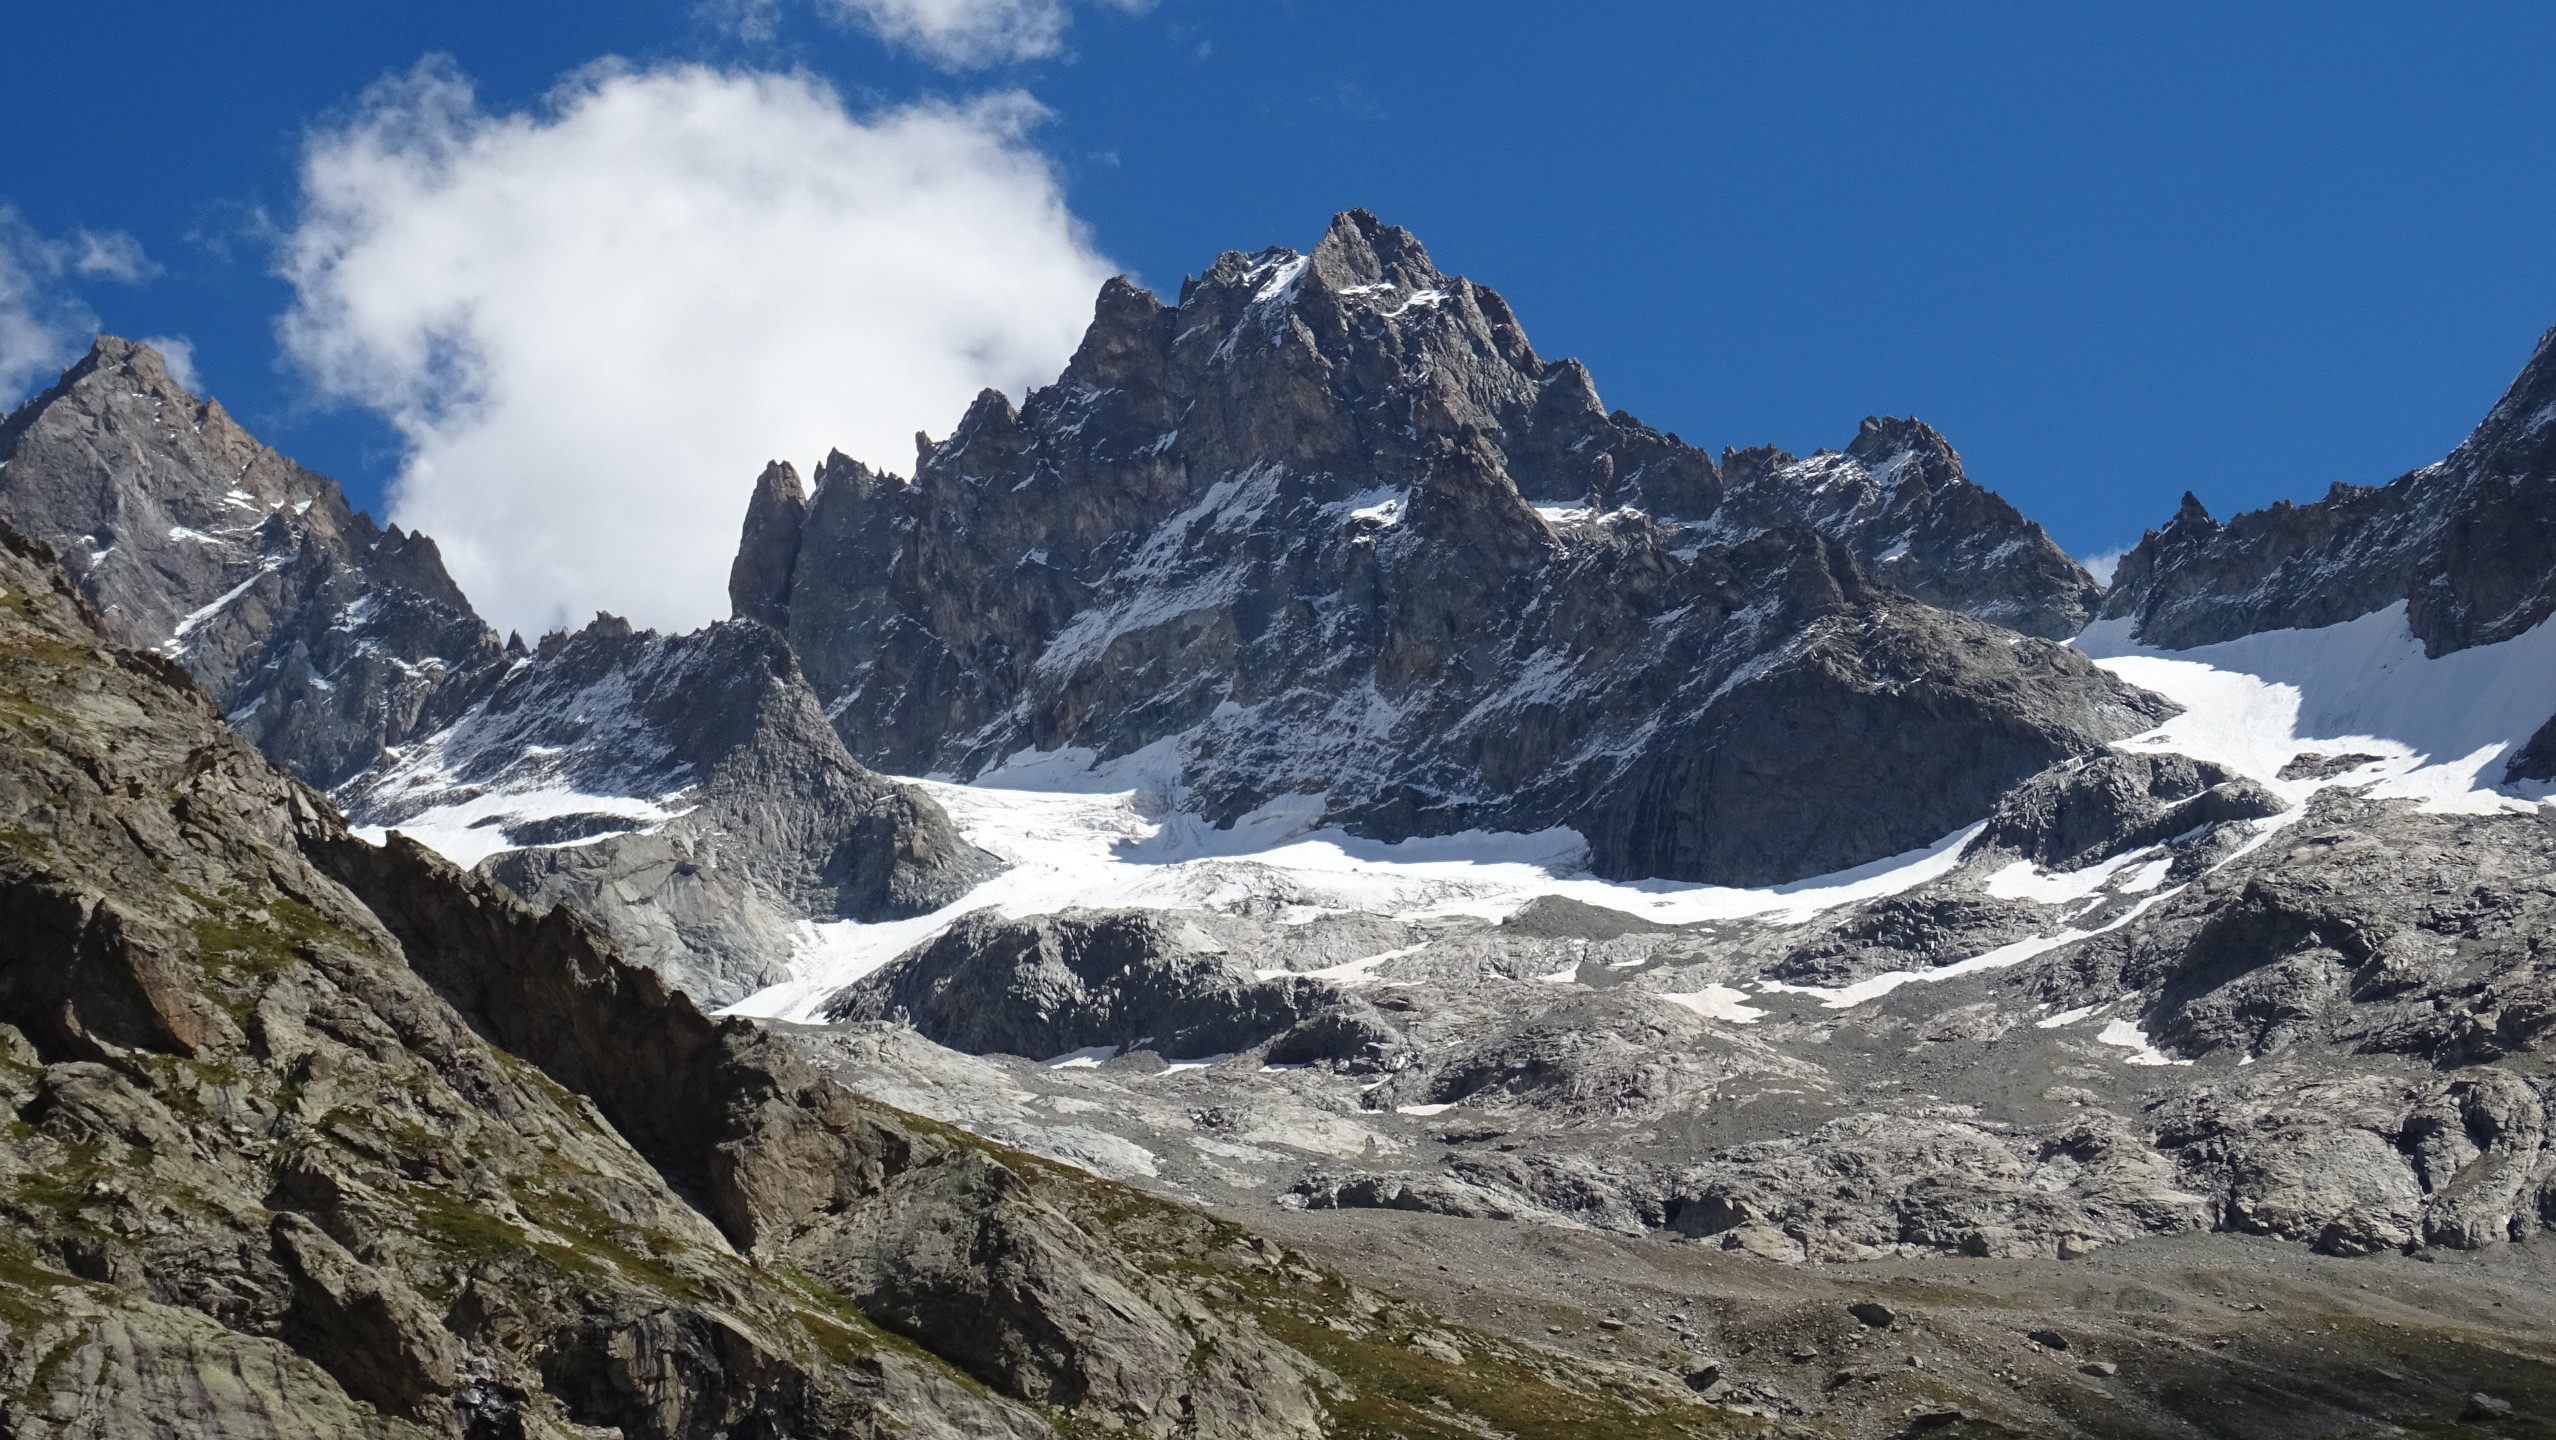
[(323, 636), (1331, 526), (2468, 544), (684, 788)]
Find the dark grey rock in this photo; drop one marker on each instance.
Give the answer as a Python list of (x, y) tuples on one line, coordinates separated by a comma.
[(2536, 758), (1085, 979), (2468, 544), (1332, 522), (2083, 811), (775, 824), (2313, 766), (323, 637), (2481, 1406)]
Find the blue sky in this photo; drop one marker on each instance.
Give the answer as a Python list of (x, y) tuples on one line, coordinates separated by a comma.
[(2113, 252)]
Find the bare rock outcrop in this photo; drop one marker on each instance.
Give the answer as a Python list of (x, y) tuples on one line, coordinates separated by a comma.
[(726, 814), (2467, 544), (1330, 527), (307, 1136), (323, 637)]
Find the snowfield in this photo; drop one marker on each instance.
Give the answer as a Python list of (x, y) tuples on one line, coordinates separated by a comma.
[(1078, 832), (1081, 833), (2442, 729)]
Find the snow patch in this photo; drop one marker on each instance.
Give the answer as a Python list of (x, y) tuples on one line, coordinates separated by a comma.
[(2024, 881), (1719, 1002), (1420, 299), (469, 831), (175, 645), (1349, 973), (1076, 831), (2134, 1039), (1380, 506), (2442, 727)]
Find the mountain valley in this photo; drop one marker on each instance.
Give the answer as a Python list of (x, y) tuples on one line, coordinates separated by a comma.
[(1307, 878)]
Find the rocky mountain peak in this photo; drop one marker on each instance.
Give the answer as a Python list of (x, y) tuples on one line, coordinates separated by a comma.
[(1125, 346), (1358, 249), (1744, 467), (759, 580), (323, 636), (1882, 439), (2467, 545), (2517, 438), (1331, 524)]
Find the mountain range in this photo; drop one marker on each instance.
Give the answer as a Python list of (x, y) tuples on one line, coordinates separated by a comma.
[(1313, 770)]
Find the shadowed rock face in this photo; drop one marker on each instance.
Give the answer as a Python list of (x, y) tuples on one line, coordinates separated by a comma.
[(2469, 544), (323, 637), (774, 823), (348, 655), (1332, 522), (1117, 980), (261, 1179), (308, 1137)]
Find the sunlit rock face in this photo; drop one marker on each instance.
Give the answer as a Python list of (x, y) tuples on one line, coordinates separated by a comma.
[(2468, 545), (1333, 528), (323, 637)]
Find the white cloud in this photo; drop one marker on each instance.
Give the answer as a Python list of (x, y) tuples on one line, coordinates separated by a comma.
[(178, 353), (111, 255), (2102, 563), (594, 324), (43, 324), (963, 34), (953, 34)]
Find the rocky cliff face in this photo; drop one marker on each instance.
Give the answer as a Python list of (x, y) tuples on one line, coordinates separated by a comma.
[(684, 790), (323, 637), (1333, 527), (307, 1137), (2469, 545), (262, 1180), (348, 655)]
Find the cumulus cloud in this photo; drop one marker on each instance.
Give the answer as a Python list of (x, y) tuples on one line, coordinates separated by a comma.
[(953, 34), (179, 354), (594, 323), (963, 34), (43, 324), (2102, 563)]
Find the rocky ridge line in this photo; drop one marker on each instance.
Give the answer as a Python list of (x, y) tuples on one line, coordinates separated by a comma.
[(1332, 528), (346, 653), (323, 637), (2468, 544)]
